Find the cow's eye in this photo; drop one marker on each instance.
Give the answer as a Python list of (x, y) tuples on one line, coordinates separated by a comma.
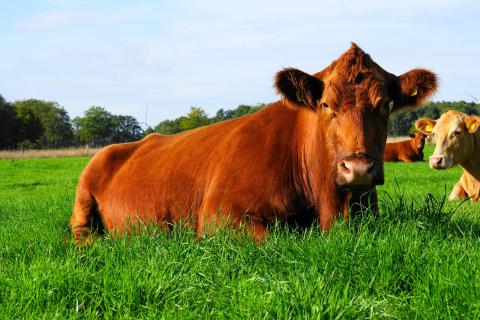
[(455, 133), (387, 106), (324, 105)]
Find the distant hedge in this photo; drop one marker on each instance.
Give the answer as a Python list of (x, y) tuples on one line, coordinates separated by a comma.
[(402, 123)]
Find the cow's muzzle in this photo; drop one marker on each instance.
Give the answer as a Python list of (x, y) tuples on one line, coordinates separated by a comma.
[(359, 171), (440, 162)]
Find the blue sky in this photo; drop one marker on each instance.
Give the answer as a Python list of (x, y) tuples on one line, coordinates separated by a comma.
[(171, 55)]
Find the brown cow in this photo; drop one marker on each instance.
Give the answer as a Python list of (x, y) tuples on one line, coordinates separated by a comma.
[(457, 143), (314, 150), (407, 151)]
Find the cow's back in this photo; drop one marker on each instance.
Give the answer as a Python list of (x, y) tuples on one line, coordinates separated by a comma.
[(393, 150), (401, 151), (165, 179)]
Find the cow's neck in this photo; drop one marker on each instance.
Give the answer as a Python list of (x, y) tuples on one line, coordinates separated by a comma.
[(413, 147), (416, 151), (472, 165), (314, 174)]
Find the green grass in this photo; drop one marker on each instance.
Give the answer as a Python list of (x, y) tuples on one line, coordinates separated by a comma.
[(419, 260)]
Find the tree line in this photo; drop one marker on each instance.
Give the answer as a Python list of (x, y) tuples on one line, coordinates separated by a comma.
[(38, 124), (197, 117), (403, 123), (43, 124)]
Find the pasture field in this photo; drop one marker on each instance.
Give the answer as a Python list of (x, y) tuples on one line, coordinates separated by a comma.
[(419, 260)]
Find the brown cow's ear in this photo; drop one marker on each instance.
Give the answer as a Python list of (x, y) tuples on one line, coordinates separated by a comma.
[(472, 122), (298, 87), (414, 88), (425, 125)]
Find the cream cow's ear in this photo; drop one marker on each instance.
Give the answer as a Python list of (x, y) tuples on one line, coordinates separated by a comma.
[(425, 125), (472, 123)]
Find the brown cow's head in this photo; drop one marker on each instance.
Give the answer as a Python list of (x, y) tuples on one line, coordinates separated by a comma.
[(418, 141), (453, 136), (350, 102)]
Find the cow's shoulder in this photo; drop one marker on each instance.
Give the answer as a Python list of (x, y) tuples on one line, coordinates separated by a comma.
[(404, 145), (118, 151), (153, 137)]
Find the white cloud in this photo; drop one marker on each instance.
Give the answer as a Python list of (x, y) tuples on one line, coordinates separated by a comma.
[(58, 18), (61, 2), (278, 10), (218, 54)]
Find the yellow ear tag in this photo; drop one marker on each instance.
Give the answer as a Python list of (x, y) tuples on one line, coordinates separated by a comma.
[(414, 92), (299, 96), (473, 126), (428, 128)]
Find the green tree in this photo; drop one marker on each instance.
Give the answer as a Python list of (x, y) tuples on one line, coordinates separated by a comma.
[(194, 119), (401, 123), (125, 129), (9, 125), (219, 116), (168, 126), (30, 128), (56, 125), (239, 111), (242, 110), (197, 117), (148, 131), (95, 128)]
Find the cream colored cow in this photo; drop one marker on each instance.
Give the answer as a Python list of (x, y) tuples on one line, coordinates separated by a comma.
[(457, 143)]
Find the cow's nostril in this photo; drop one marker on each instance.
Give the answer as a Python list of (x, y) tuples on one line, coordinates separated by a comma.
[(357, 172), (345, 167), (437, 162)]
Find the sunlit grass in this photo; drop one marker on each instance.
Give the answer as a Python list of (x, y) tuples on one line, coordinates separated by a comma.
[(418, 260)]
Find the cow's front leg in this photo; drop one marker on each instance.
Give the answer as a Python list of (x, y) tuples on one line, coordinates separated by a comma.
[(215, 215), (329, 208), (458, 193), (405, 159)]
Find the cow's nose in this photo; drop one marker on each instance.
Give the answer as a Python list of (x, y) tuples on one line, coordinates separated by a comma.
[(437, 162), (357, 172)]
